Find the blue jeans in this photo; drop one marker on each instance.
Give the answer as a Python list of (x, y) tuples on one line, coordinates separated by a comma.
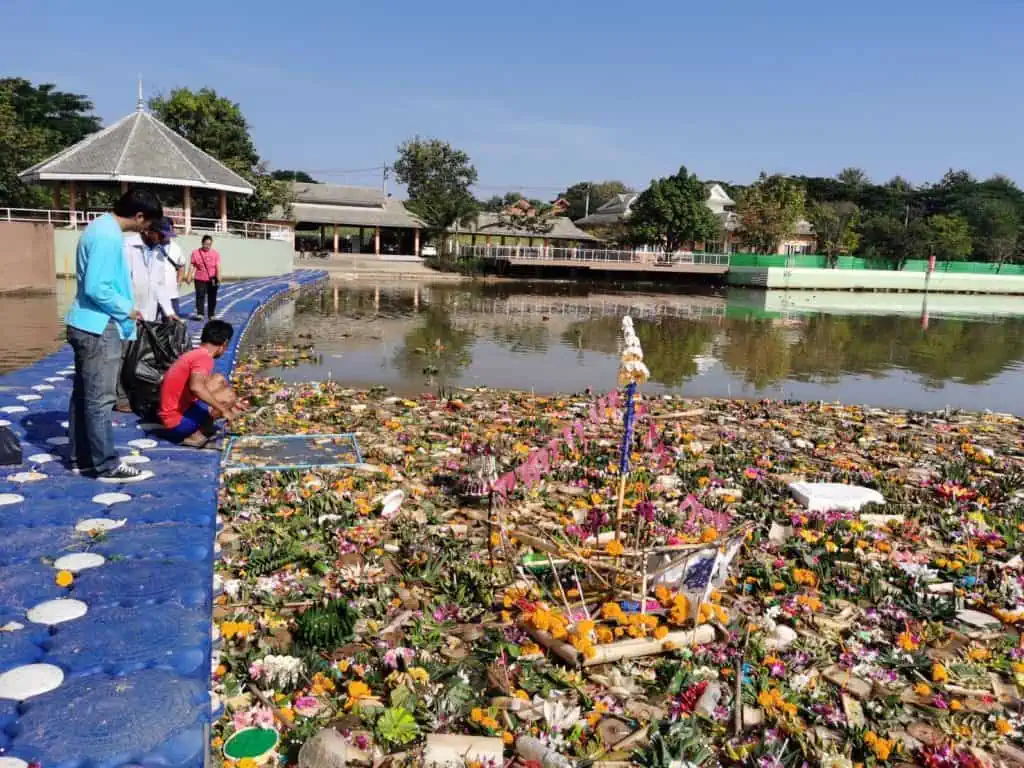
[(93, 395)]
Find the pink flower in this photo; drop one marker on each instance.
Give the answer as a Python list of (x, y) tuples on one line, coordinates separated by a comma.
[(256, 670), (263, 718), (307, 706), (242, 720)]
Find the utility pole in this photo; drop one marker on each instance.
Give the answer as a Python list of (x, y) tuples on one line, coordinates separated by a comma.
[(586, 208), (384, 181)]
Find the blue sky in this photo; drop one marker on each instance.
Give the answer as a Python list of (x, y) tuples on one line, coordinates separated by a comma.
[(543, 94)]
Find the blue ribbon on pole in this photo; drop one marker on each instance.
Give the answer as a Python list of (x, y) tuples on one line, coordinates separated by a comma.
[(627, 424)]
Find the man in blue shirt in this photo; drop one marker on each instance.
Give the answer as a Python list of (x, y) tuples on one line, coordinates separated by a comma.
[(101, 319)]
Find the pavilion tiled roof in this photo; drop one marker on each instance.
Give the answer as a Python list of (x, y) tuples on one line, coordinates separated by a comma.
[(142, 150)]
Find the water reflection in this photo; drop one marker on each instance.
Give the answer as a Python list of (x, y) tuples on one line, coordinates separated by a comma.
[(562, 337), (32, 326)]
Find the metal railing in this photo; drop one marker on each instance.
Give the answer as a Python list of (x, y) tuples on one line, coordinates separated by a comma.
[(513, 253), (253, 230)]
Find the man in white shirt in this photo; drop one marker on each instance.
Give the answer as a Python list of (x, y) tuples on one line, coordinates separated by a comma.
[(177, 267), (147, 261)]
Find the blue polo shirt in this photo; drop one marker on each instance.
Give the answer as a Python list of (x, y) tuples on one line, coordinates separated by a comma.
[(104, 289)]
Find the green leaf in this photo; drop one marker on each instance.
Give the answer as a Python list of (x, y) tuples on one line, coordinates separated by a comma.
[(397, 726)]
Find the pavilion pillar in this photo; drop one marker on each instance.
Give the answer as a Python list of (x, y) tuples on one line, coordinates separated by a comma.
[(124, 187), (186, 201), (56, 196), (376, 241), (223, 211), (335, 239), (416, 252), (545, 247), (72, 204)]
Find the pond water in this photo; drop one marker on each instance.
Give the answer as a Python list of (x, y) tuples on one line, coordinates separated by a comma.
[(901, 350)]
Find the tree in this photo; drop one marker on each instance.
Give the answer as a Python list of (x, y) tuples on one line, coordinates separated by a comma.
[(768, 211), (36, 122), (600, 192), (853, 177), (431, 168), (66, 117), (437, 177), (888, 238), (950, 237), (672, 212), (835, 228), (299, 176), (217, 126), (995, 225)]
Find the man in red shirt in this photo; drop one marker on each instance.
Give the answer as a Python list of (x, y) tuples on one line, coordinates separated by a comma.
[(192, 396)]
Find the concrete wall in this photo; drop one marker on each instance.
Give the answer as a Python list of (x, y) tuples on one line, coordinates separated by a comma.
[(873, 280), (240, 258), (26, 257)]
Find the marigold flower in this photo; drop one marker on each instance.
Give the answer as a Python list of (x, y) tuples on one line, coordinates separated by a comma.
[(939, 673), (1003, 726), (923, 689), (64, 578), (614, 548), (660, 633), (508, 738)]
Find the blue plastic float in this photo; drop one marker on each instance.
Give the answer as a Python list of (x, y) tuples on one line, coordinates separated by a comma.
[(136, 665)]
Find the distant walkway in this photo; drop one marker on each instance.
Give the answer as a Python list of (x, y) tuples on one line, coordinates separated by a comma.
[(113, 668)]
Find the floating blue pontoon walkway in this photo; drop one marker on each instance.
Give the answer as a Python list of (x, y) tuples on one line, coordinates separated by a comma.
[(113, 670)]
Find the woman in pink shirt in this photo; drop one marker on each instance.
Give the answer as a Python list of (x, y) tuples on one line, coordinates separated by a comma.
[(206, 262)]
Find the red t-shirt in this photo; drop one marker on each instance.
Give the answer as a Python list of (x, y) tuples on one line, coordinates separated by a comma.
[(175, 395)]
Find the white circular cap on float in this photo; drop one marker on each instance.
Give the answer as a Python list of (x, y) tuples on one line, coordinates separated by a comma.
[(58, 440), (99, 524), (10, 498), (135, 459), (79, 561), (142, 443), (43, 387), (111, 498), (4, 423), (42, 458), (13, 409), (57, 611), (29, 680), (12, 762), (29, 398), (54, 379), (26, 477)]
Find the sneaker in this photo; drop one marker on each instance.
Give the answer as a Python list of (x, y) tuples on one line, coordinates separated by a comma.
[(125, 474)]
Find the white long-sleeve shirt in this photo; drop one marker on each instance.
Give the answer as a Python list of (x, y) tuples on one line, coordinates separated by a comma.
[(174, 260), (148, 267)]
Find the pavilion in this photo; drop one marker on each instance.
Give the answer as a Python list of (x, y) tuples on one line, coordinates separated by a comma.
[(349, 219), (138, 149)]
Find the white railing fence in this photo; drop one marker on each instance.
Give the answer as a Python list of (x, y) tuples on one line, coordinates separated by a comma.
[(591, 255), (253, 230)]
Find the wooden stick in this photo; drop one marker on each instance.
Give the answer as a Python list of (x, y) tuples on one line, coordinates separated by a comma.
[(269, 705), (737, 727), (618, 506), (561, 589)]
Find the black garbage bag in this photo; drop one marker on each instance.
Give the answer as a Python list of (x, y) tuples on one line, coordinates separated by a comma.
[(10, 447), (155, 348)]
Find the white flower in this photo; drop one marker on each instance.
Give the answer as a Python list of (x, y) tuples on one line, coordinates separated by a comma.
[(557, 715), (633, 371), (282, 671), (835, 761)]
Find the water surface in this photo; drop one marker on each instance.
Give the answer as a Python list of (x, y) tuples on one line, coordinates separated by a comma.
[(881, 349)]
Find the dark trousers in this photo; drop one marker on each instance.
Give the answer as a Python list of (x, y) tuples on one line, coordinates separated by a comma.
[(93, 394), (206, 296)]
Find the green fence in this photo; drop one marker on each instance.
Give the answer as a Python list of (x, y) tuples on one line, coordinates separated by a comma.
[(819, 261)]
